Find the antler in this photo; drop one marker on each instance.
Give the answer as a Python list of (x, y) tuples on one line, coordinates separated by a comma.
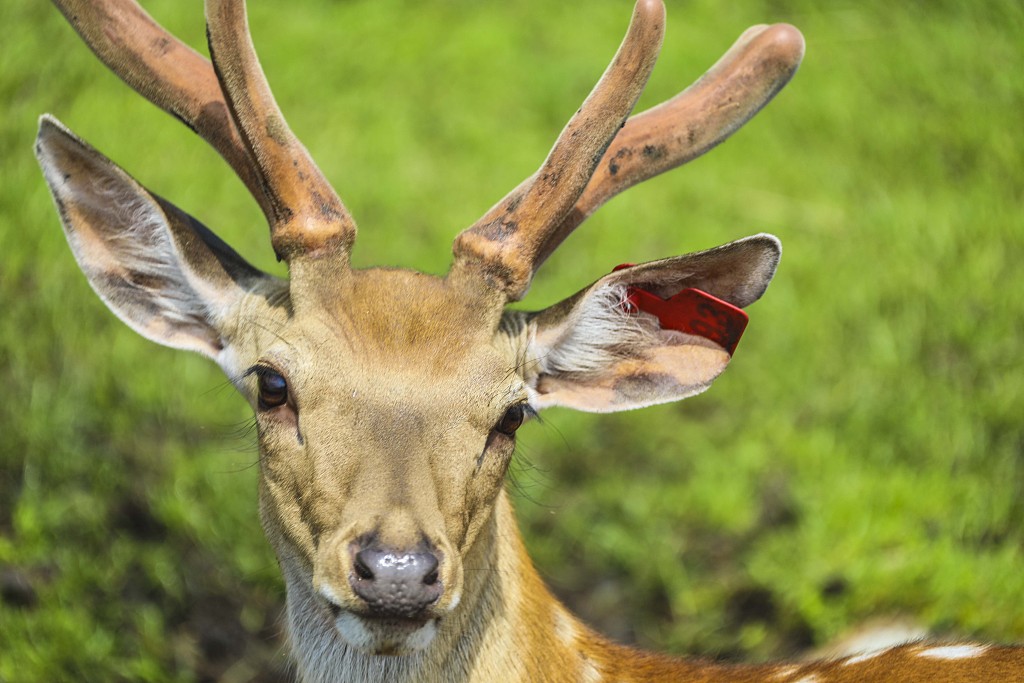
[(758, 65), (307, 214), (229, 106), (503, 244), (751, 72)]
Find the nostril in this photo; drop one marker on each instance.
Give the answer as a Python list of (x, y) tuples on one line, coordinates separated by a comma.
[(430, 575), (360, 566), (430, 579)]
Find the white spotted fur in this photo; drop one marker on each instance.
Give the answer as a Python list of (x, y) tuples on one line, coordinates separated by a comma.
[(954, 651)]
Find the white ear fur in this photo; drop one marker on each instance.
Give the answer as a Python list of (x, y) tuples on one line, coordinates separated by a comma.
[(140, 242), (595, 335), (602, 358)]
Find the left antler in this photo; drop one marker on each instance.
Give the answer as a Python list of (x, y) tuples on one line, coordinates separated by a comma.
[(304, 213), (751, 72), (307, 214)]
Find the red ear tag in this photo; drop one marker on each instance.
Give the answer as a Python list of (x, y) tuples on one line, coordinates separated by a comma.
[(691, 311), (694, 312)]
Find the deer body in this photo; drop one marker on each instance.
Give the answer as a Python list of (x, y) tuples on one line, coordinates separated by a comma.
[(386, 400)]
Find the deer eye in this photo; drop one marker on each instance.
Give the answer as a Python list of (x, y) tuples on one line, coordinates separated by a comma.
[(511, 420), (273, 389)]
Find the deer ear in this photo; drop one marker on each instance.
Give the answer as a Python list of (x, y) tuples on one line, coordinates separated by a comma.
[(599, 353), (157, 268)]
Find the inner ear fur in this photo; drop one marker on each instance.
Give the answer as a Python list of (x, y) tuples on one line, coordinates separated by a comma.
[(157, 268), (591, 353)]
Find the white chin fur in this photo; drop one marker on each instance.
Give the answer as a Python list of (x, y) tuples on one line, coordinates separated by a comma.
[(385, 637)]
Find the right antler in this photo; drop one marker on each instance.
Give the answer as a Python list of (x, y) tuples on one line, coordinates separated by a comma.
[(228, 104), (503, 244), (758, 65), (510, 242)]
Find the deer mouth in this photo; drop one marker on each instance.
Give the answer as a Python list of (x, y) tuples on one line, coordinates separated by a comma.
[(393, 620), (394, 636)]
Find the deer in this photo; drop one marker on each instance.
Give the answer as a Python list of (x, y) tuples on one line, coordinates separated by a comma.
[(387, 401)]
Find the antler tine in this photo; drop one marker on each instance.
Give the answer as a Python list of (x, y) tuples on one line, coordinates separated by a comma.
[(758, 65), (503, 245), (166, 72), (307, 217), (304, 213)]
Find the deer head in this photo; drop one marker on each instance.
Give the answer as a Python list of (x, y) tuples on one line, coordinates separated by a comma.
[(387, 401)]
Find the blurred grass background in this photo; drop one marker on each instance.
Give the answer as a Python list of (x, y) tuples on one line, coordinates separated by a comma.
[(864, 454)]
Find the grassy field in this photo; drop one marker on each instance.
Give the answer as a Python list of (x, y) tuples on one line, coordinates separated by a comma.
[(863, 455)]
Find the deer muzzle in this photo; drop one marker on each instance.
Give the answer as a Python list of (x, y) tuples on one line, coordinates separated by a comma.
[(396, 583)]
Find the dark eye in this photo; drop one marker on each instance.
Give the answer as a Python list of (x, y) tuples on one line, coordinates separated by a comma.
[(273, 389), (511, 420)]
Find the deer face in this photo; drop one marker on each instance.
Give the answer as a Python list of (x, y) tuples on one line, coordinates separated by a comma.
[(385, 431)]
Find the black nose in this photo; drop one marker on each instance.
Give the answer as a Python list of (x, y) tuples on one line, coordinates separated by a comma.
[(396, 583)]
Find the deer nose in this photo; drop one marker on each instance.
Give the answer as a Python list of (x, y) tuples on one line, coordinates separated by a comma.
[(396, 584)]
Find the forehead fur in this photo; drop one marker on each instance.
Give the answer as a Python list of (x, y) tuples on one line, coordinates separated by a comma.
[(396, 321), (403, 313)]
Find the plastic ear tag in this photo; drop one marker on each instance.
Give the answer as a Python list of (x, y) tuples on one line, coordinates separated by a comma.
[(692, 311)]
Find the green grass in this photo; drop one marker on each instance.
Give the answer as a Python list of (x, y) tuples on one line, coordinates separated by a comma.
[(864, 455)]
